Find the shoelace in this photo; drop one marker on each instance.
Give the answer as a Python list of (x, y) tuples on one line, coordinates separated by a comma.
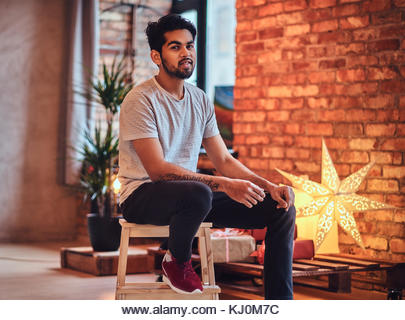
[(188, 269)]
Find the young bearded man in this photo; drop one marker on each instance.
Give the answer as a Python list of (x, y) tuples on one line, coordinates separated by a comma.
[(163, 123)]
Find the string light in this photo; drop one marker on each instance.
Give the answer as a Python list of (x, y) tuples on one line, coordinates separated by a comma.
[(116, 186)]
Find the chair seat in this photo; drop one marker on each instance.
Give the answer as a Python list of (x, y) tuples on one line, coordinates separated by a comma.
[(151, 230)]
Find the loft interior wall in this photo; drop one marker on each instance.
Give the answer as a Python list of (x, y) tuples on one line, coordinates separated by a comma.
[(34, 205)]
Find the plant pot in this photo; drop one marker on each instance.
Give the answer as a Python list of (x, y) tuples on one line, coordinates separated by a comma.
[(104, 233)]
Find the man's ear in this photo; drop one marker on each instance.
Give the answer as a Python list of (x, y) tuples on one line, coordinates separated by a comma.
[(155, 56)]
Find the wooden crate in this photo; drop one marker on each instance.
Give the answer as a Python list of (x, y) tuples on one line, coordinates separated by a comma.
[(105, 263)]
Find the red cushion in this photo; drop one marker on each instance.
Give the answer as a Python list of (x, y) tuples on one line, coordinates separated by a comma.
[(303, 249)]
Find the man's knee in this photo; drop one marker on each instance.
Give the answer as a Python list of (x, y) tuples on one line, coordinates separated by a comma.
[(199, 195), (286, 219), (291, 213)]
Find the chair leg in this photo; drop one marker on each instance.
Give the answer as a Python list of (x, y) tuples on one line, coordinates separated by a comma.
[(207, 261), (203, 257), (122, 260), (210, 257)]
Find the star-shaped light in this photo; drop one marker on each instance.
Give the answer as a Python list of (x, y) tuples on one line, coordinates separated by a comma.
[(334, 200)]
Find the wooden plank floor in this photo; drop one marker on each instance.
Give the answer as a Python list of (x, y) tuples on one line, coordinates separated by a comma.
[(32, 271)]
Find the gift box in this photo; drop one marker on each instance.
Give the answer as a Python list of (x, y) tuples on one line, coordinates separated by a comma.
[(232, 247), (303, 249)]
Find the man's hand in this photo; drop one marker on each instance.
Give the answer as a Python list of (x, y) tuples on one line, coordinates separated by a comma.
[(244, 192), (238, 190), (284, 196)]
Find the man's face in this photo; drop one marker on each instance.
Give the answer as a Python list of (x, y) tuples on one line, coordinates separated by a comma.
[(178, 54)]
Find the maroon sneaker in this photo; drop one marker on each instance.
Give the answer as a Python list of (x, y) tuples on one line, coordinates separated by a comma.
[(180, 276)]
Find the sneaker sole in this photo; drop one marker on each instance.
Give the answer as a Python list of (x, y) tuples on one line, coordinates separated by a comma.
[(167, 281)]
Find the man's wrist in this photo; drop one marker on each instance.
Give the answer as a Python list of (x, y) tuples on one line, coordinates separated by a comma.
[(270, 186), (222, 183)]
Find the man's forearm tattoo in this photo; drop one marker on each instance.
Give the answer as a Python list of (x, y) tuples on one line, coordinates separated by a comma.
[(175, 177)]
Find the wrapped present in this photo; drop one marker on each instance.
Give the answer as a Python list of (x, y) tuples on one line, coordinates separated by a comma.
[(231, 245), (303, 249)]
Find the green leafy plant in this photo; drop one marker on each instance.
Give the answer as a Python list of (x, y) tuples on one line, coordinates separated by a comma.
[(111, 90), (99, 151)]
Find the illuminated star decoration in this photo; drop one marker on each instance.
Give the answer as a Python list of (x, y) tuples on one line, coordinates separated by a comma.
[(334, 200)]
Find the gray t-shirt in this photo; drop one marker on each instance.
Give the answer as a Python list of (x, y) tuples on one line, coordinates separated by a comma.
[(149, 111)]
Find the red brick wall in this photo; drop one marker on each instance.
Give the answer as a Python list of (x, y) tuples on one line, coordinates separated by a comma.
[(332, 69), (118, 31)]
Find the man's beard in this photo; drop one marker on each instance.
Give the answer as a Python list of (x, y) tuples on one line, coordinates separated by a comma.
[(177, 72)]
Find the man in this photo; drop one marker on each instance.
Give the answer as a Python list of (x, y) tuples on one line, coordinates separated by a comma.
[(163, 123)]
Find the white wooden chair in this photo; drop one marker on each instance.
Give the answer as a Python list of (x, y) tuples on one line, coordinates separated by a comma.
[(160, 290)]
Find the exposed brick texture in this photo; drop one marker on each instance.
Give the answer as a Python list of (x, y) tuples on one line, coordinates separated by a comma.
[(116, 38), (331, 69), (116, 34)]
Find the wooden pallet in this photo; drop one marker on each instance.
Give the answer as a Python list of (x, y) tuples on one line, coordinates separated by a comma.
[(104, 263), (337, 267)]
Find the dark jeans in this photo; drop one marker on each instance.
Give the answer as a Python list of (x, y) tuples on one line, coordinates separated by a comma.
[(185, 204)]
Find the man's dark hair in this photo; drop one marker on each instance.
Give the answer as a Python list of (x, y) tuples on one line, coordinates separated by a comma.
[(155, 30)]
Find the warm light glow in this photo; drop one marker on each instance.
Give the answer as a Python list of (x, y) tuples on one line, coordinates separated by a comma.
[(307, 226), (334, 200), (116, 186)]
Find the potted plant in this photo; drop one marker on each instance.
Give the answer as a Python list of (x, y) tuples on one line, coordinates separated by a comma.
[(99, 154)]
